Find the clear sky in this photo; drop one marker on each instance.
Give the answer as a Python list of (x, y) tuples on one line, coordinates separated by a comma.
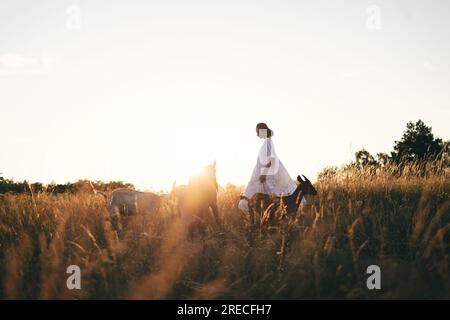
[(149, 91)]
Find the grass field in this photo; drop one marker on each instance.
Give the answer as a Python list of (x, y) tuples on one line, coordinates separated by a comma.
[(401, 224)]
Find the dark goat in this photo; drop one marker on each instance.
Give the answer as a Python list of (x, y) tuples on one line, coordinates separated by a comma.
[(260, 203)]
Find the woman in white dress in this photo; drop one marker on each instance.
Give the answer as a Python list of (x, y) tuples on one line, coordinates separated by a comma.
[(269, 175)]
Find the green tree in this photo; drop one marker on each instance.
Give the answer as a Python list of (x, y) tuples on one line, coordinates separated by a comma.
[(363, 158), (417, 143), (382, 158)]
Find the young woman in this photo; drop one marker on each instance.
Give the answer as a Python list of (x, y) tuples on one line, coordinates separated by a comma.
[(269, 175)]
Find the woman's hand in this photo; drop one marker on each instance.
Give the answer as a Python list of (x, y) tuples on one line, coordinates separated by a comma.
[(262, 178), (269, 164)]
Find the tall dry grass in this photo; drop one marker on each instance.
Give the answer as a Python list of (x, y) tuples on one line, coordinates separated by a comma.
[(362, 217)]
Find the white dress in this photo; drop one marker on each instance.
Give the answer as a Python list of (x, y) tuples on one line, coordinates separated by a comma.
[(278, 182)]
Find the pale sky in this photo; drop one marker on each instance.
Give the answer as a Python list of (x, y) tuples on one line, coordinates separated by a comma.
[(149, 91)]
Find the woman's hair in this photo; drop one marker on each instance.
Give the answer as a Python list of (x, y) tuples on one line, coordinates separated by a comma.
[(262, 125)]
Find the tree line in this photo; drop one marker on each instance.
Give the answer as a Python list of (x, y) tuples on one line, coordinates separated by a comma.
[(11, 186), (417, 144), (418, 147)]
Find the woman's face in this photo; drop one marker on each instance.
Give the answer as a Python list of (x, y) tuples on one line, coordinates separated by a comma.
[(261, 133)]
